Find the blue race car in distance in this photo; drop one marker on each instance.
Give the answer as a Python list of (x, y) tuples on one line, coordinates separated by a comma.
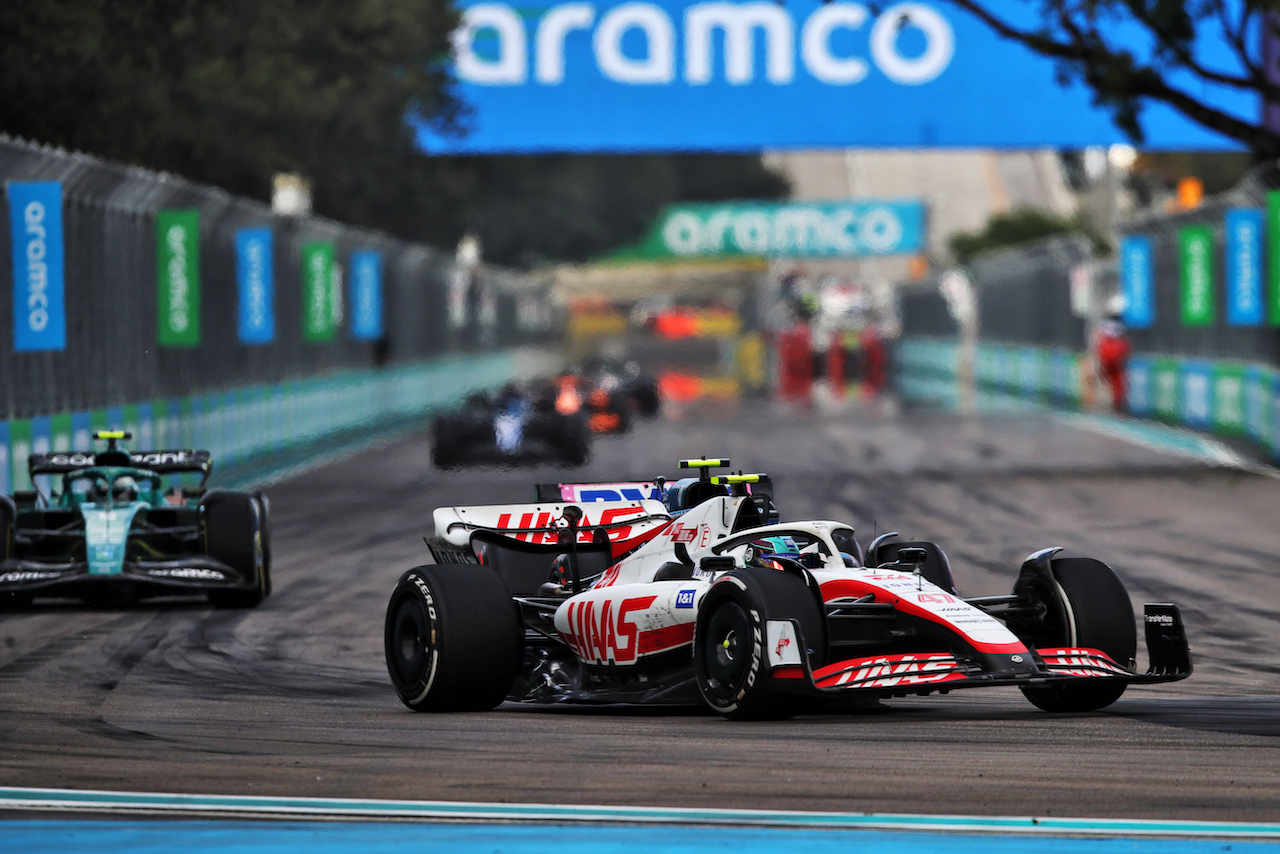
[(111, 533), (517, 426)]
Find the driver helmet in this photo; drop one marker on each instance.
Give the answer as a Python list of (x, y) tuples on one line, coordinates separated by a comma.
[(97, 491), (763, 550), (124, 489)]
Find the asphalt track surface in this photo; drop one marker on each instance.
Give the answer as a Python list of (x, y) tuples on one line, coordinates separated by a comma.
[(292, 699)]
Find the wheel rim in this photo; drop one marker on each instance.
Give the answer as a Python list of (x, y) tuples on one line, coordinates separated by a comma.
[(726, 651), (410, 641)]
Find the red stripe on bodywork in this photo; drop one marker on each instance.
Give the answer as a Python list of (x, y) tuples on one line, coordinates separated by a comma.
[(1080, 661), (854, 588), (618, 548), (668, 637), (788, 671)]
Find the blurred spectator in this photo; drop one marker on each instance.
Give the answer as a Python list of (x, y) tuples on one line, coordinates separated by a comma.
[(874, 359), (1112, 350)]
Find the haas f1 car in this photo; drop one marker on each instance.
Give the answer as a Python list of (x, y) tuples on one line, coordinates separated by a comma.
[(695, 592), (109, 532)]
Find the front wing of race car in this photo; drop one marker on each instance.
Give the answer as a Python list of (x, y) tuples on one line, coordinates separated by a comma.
[(185, 575), (61, 554), (925, 672)]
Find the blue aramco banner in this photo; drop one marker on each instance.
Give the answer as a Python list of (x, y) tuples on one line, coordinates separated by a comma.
[(39, 301), (1243, 229), (674, 75), (366, 294), (1136, 281), (256, 283)]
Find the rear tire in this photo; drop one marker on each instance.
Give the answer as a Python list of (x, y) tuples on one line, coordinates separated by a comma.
[(453, 638), (1096, 614), (446, 444), (8, 514), (234, 529), (264, 513), (577, 443), (643, 398), (729, 656)]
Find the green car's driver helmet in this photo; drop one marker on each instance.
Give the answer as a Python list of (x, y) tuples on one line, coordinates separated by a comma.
[(124, 489)]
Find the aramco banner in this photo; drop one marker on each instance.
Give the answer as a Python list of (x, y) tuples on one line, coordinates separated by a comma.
[(320, 311), (844, 229), (256, 280), (39, 303), (178, 277), (664, 75)]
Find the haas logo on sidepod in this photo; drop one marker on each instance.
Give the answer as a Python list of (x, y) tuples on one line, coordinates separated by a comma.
[(599, 632)]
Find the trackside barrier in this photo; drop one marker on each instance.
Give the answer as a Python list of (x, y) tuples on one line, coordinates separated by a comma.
[(1225, 397), (258, 422), (121, 286)]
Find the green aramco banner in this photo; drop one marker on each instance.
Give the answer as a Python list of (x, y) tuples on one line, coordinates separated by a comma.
[(319, 314), (178, 277), (848, 228), (1195, 256)]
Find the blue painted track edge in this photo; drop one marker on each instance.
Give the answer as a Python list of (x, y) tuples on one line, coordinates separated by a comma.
[(12, 798)]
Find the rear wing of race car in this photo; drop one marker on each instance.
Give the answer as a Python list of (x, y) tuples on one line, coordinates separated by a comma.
[(587, 493), (626, 524), (160, 462)]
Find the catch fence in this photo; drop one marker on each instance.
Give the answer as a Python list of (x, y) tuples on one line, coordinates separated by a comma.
[(267, 298)]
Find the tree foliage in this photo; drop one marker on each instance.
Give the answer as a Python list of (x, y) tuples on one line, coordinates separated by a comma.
[(1083, 37), (231, 92), (227, 91), (1016, 227)]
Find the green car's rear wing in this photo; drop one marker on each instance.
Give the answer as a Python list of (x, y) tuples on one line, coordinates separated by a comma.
[(160, 462)]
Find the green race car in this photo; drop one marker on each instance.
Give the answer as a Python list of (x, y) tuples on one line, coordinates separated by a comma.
[(109, 532)]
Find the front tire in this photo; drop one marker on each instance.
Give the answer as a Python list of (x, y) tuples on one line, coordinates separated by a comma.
[(444, 451), (453, 638), (1096, 613), (730, 659), (235, 533)]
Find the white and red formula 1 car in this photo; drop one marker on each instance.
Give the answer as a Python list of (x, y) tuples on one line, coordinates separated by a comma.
[(694, 591)]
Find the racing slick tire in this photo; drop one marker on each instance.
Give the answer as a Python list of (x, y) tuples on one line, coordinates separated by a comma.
[(729, 655), (575, 441), (264, 513), (453, 638), (234, 529), (444, 445), (8, 515), (1096, 613), (643, 398)]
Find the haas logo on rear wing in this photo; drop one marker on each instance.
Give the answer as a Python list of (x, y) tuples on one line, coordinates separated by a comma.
[(625, 522)]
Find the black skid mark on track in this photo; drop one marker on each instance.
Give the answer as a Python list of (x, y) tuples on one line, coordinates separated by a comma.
[(65, 647), (135, 650), (1240, 715), (101, 727), (988, 497), (214, 661)]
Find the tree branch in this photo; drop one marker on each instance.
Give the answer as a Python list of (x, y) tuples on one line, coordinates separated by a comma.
[(1094, 61)]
